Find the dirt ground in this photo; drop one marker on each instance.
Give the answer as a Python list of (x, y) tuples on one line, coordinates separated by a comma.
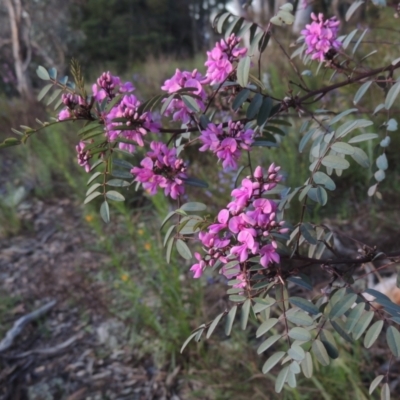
[(77, 350)]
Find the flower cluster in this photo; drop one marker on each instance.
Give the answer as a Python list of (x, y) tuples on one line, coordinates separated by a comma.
[(320, 36), (226, 143), (243, 229), (107, 84), (185, 79), (221, 58), (161, 168), (141, 123), (83, 156)]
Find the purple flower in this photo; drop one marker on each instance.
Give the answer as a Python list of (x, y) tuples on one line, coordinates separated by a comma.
[(320, 36), (106, 85), (221, 58), (65, 113), (177, 108), (198, 268), (268, 255), (161, 168), (83, 156), (244, 227), (226, 144), (141, 123)]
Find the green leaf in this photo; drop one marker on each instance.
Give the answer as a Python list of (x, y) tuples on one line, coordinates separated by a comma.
[(320, 178), (265, 111), (191, 103), (307, 366), (213, 325), (92, 188), (115, 196), (230, 318), (244, 315), (308, 233), (299, 333), (169, 249), (301, 280), (183, 249), (361, 91), (254, 43), (272, 361), (122, 163), (342, 148), (304, 305), (281, 378), (117, 183), (188, 340), (240, 99), (296, 352), (105, 212), (363, 137), (342, 306), (339, 328), (254, 106), (372, 334), (93, 177), (239, 298), (91, 197), (262, 304), (266, 344), (349, 126), (243, 71), (193, 206), (44, 91), (362, 324), (320, 352), (300, 318), (360, 157), (354, 316), (392, 125), (349, 38), (380, 175), (328, 341), (385, 393), (352, 9), (304, 140), (55, 94), (168, 234), (335, 162), (382, 162), (42, 73), (375, 383), (393, 340), (195, 182), (263, 143), (266, 326), (338, 117), (221, 19), (392, 95)]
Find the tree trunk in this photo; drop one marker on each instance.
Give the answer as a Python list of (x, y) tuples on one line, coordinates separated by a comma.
[(20, 47)]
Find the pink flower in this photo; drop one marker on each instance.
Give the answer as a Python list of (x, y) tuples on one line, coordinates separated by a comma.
[(198, 268), (221, 58), (268, 255), (226, 144), (141, 123), (64, 114), (320, 36), (83, 156), (244, 228), (161, 168), (177, 107)]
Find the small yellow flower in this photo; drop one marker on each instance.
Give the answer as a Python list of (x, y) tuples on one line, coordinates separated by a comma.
[(147, 246), (89, 218), (141, 232), (124, 277)]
